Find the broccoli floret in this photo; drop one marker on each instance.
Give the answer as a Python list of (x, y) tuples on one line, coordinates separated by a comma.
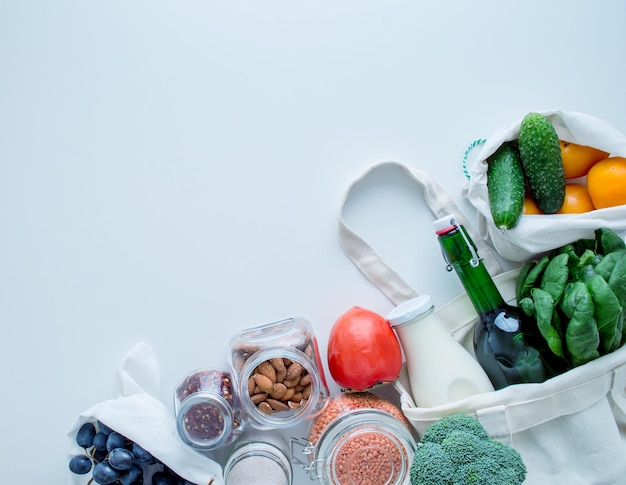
[(460, 452), (439, 430), (431, 466), (463, 447)]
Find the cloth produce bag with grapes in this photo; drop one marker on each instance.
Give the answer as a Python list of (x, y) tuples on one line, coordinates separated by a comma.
[(133, 438)]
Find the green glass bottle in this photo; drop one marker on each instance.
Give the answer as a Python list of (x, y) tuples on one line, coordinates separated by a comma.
[(507, 344)]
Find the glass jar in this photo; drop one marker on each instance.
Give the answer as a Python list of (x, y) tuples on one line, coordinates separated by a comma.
[(207, 411), (360, 438), (278, 373), (258, 458)]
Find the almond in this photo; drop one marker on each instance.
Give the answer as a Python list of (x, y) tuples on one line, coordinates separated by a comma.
[(265, 408), (288, 394), (294, 371), (258, 398), (277, 405), (305, 380), (267, 369), (251, 385), (278, 391), (264, 383), (278, 363)]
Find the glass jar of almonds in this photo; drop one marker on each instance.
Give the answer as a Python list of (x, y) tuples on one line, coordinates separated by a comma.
[(278, 374)]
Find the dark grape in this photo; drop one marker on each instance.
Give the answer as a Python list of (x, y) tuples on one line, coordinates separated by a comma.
[(142, 456), (104, 428), (115, 440), (163, 478), (99, 455), (133, 476), (121, 459), (80, 464), (100, 441), (104, 473), (85, 434)]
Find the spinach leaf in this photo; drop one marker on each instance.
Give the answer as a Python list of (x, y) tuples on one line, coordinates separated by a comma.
[(555, 276), (528, 306), (570, 250), (529, 276), (617, 278), (606, 266), (607, 312), (545, 306), (581, 336), (608, 241)]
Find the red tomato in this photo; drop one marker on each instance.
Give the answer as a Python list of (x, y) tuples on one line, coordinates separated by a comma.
[(363, 350)]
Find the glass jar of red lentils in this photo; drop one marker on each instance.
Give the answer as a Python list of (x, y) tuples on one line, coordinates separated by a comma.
[(360, 438), (278, 373), (207, 411)]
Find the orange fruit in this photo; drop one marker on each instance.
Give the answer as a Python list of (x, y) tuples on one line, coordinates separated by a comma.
[(606, 182), (577, 200), (578, 159), (530, 206)]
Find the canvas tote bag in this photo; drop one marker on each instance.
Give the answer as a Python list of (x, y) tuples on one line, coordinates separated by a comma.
[(570, 429)]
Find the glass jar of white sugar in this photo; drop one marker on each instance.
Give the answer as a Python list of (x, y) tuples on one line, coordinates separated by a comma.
[(258, 458)]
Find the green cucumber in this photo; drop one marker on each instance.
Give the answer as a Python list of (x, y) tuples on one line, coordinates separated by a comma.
[(542, 161), (506, 186)]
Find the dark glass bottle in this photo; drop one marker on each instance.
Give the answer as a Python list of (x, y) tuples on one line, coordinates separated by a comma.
[(507, 344)]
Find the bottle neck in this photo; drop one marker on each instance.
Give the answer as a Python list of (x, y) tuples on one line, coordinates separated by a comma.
[(460, 253)]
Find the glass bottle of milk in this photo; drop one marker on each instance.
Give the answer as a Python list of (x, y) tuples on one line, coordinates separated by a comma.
[(440, 370)]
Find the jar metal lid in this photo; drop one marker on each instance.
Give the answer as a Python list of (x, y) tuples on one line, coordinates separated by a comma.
[(409, 310), (205, 421)]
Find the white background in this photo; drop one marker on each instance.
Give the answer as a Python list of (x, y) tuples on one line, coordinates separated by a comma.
[(172, 172)]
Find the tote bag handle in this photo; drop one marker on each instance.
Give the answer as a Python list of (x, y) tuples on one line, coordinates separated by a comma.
[(369, 262)]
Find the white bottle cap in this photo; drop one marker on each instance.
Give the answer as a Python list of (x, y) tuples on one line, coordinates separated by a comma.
[(409, 310), (444, 222)]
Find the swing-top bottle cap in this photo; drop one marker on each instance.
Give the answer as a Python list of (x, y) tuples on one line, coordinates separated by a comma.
[(409, 310), (444, 223)]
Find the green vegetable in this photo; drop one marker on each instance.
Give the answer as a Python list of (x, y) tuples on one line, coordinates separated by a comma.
[(608, 241), (607, 311), (544, 312), (431, 466), (577, 296), (542, 161), (529, 275), (500, 465), (506, 186), (457, 450), (555, 276), (582, 337), (439, 430)]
